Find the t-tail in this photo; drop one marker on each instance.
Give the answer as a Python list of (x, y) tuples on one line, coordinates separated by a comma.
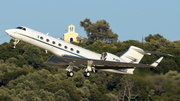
[(132, 55), (135, 54)]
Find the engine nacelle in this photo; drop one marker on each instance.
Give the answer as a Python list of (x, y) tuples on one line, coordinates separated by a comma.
[(109, 57)]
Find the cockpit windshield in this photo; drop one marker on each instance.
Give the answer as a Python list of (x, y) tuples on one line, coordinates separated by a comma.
[(21, 28)]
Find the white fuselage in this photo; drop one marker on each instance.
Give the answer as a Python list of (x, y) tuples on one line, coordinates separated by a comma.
[(59, 47), (55, 46)]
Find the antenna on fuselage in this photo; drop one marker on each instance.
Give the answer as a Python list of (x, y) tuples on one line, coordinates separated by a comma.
[(47, 33)]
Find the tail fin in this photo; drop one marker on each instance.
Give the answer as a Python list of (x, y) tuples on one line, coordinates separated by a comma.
[(132, 55)]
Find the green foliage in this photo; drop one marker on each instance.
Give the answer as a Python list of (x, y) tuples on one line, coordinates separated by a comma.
[(5, 98), (99, 31), (153, 37), (64, 85), (24, 77), (29, 96), (8, 76), (33, 56), (164, 87), (165, 66), (61, 95), (96, 95)]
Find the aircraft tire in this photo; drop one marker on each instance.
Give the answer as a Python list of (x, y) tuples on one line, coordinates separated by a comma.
[(70, 74), (14, 47), (87, 74)]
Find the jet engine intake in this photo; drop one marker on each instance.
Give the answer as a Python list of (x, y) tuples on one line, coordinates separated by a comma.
[(109, 57)]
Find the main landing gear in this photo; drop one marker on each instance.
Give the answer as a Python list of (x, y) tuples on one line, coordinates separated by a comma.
[(88, 69), (70, 74), (86, 73), (69, 69)]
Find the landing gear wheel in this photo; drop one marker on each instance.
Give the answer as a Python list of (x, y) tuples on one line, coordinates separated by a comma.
[(70, 74), (86, 74), (14, 46)]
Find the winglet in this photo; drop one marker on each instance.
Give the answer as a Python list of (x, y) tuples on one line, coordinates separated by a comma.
[(154, 64)]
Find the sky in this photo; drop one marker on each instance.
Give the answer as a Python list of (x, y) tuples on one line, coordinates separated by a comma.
[(130, 19)]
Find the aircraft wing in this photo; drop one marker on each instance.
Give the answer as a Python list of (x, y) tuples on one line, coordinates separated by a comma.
[(54, 60), (98, 64)]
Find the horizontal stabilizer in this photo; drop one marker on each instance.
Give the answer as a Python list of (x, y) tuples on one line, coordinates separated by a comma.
[(152, 52), (154, 64)]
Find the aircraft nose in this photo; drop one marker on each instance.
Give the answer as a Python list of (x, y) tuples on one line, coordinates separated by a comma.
[(9, 31)]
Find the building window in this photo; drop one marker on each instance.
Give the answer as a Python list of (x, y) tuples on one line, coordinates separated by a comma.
[(47, 40), (59, 44), (41, 38), (72, 49), (65, 47), (77, 51), (53, 42)]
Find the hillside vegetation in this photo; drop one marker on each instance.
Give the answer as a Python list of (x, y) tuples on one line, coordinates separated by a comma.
[(23, 77)]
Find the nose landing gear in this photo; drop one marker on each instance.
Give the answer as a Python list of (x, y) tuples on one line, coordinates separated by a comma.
[(15, 43)]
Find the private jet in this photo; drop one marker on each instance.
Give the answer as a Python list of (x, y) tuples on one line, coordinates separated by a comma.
[(77, 56)]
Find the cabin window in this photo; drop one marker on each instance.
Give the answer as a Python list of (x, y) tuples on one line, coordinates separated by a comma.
[(21, 28), (59, 44), (47, 40), (41, 38), (53, 42), (77, 51), (72, 49), (65, 47), (24, 29)]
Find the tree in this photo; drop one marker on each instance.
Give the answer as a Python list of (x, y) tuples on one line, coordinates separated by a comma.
[(8, 76), (126, 89), (5, 98), (96, 95), (64, 85), (99, 31), (28, 96), (33, 56), (61, 95), (154, 37), (46, 96)]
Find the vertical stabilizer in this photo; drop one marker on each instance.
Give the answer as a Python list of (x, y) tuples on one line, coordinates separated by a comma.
[(132, 55)]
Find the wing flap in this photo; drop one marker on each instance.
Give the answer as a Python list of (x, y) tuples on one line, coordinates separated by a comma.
[(100, 64), (54, 60)]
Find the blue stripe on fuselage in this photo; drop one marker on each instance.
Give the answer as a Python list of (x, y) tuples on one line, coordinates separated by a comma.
[(50, 44)]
